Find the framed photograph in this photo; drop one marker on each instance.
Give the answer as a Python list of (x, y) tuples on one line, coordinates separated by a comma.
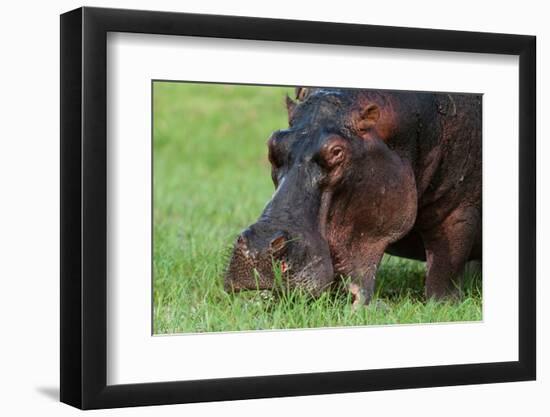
[(257, 208)]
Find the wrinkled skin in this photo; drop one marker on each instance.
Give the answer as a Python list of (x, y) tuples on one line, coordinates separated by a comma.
[(363, 172)]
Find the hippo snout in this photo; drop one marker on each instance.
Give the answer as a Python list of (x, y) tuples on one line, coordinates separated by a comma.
[(256, 253), (265, 256)]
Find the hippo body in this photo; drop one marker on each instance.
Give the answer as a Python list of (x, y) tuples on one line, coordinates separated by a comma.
[(363, 172)]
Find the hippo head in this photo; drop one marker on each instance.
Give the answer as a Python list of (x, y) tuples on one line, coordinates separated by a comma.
[(320, 169)]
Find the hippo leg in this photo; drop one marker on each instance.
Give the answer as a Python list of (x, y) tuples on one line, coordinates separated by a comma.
[(448, 248), (363, 283)]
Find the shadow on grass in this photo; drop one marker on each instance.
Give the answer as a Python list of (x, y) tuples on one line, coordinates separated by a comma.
[(400, 278)]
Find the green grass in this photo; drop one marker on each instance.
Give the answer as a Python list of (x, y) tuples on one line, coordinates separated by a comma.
[(211, 180)]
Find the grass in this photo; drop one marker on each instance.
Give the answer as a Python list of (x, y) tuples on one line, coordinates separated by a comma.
[(211, 180)]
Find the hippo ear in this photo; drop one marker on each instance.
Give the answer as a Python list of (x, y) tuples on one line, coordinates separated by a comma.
[(301, 93), (290, 106), (368, 118)]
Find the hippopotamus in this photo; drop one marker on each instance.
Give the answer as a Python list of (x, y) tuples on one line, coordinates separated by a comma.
[(359, 173)]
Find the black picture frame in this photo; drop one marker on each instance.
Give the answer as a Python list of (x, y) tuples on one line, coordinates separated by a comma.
[(84, 207)]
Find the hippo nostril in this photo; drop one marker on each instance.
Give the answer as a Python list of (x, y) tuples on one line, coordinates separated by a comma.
[(278, 243), (241, 242)]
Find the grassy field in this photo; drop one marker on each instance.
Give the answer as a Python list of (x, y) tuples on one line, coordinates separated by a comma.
[(211, 180)]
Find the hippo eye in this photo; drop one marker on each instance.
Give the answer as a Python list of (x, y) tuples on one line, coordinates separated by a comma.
[(336, 151), (333, 152)]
